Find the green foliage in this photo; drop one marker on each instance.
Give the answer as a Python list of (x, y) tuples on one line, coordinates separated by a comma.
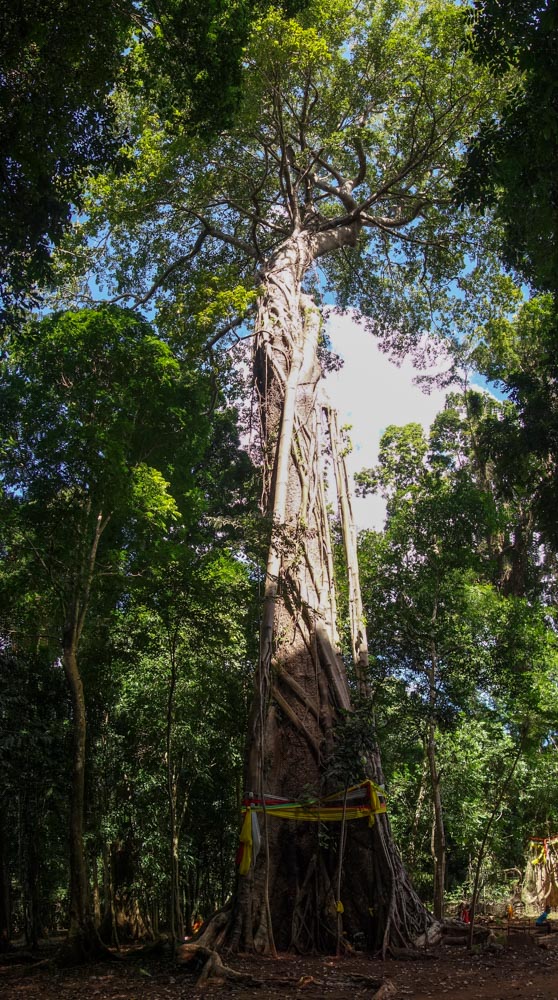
[(195, 619), (105, 424), (60, 119), (383, 94), (519, 353), (98, 416), (34, 762), (511, 165), (450, 649), (59, 62)]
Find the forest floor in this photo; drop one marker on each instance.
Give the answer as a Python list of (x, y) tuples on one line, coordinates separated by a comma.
[(525, 968)]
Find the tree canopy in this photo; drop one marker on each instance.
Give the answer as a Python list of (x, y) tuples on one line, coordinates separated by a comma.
[(511, 164), (59, 121)]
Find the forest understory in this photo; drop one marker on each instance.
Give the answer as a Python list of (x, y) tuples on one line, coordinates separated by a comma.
[(522, 967)]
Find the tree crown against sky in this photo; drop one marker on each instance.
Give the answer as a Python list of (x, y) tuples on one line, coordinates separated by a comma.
[(349, 116)]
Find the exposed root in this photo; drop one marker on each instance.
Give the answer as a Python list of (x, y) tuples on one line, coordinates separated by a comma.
[(212, 934), (432, 936), (456, 932), (387, 989), (213, 970)]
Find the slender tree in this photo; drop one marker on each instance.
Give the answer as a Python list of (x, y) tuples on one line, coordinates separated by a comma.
[(93, 407)]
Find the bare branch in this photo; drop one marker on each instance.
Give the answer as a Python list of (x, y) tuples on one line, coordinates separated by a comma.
[(161, 278), (383, 222), (229, 238), (234, 323)]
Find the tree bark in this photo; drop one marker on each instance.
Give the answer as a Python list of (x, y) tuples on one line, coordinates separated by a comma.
[(301, 690), (83, 939), (438, 845), (5, 894), (79, 903)]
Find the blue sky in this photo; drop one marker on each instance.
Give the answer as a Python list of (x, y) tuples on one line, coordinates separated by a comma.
[(371, 392)]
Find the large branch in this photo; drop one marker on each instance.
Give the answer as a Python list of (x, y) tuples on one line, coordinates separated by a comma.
[(341, 193), (229, 238), (433, 143)]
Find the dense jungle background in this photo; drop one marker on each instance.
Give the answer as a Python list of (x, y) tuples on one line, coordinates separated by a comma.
[(185, 188)]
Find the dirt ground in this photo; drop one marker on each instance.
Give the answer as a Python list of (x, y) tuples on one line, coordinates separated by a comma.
[(523, 968)]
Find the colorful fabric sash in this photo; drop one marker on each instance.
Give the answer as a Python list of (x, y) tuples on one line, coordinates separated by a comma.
[(361, 801)]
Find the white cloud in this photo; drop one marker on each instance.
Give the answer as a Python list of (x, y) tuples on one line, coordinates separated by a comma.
[(370, 392)]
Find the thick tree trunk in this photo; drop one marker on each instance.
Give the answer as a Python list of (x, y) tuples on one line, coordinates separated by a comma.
[(301, 688)]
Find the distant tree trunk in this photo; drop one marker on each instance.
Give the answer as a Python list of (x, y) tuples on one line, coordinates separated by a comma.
[(514, 557), (109, 927), (5, 900), (504, 785), (413, 840), (31, 870), (80, 918), (83, 939), (176, 911), (301, 688), (438, 842)]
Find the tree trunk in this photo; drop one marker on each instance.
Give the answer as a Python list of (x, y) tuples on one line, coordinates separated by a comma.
[(438, 845), (83, 939), (5, 894), (413, 840), (109, 925), (78, 870), (301, 688), (176, 912), (31, 870), (96, 893)]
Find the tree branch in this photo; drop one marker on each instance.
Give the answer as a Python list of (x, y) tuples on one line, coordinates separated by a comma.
[(160, 280)]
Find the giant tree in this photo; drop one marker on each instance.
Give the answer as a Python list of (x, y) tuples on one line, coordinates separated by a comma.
[(336, 171)]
